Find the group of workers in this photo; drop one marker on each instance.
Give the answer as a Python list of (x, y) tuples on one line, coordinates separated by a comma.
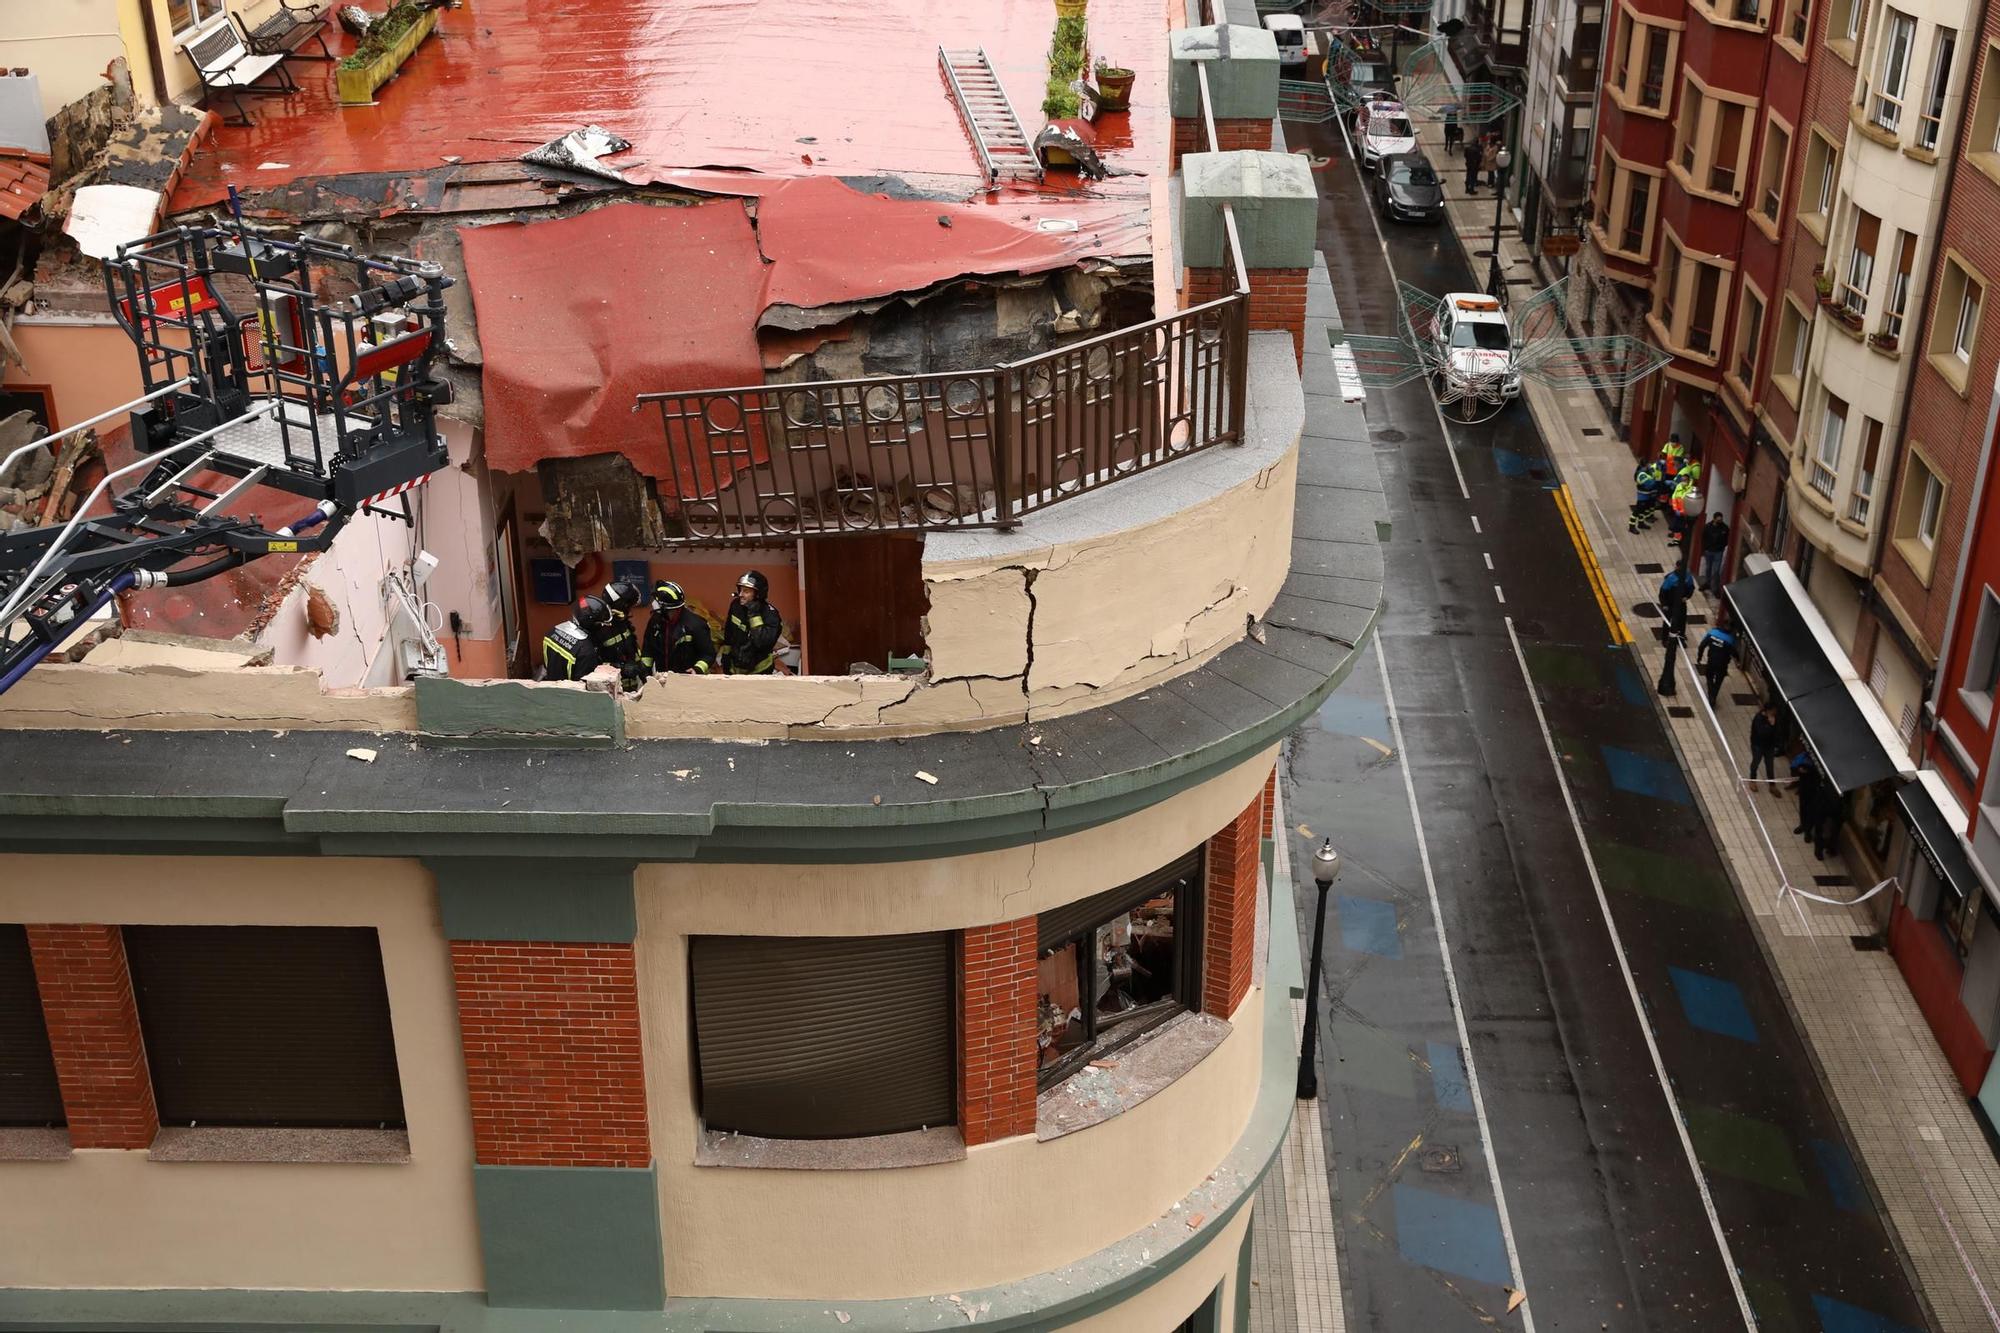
[(1671, 482), (677, 641)]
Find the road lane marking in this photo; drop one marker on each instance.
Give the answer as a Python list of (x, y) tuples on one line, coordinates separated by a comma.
[(1381, 239), (1499, 594), (1631, 986), (1489, 558), (1475, 526), (1599, 588), (1451, 988)]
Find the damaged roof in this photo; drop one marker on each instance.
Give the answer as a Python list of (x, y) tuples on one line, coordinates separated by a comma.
[(774, 87), (24, 179)]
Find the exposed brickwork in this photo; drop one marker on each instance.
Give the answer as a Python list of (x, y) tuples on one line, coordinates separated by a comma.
[(1277, 298), (996, 1027), (1229, 928), (94, 1033), (552, 1056), (1270, 800), (1191, 136)]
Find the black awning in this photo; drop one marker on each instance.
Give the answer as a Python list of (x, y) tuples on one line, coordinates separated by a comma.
[(1849, 751), (1940, 844)]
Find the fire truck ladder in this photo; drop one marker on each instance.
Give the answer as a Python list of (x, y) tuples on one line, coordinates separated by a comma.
[(250, 377), (1004, 151)]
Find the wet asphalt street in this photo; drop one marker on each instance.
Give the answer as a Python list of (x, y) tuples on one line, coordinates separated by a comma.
[(1588, 1199)]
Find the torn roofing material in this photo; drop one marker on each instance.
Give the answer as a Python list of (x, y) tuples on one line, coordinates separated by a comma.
[(776, 87), (24, 179), (579, 316)]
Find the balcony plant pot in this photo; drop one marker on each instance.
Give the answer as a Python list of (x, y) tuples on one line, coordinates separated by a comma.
[(1883, 342), (1113, 90), (1844, 315), (359, 81), (1071, 9)]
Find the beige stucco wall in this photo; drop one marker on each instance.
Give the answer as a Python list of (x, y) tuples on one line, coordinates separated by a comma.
[(87, 366), (1008, 1209), (167, 698), (117, 1219), (1167, 1303), (65, 43)]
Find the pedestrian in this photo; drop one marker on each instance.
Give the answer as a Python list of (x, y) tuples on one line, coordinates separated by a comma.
[(1826, 832), (677, 640), (1713, 655), (1805, 781), (1647, 484), (750, 639), (1672, 455), (1489, 159), (1452, 134), (1766, 735), (1714, 545), (1473, 157), (1675, 590), (1683, 503)]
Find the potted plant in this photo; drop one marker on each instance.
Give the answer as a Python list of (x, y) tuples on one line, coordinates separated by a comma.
[(1071, 9), (1883, 342), (1113, 90), (1848, 316), (1823, 284), (1060, 103), (390, 40)]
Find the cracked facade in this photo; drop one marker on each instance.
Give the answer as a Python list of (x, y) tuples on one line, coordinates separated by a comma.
[(774, 1002)]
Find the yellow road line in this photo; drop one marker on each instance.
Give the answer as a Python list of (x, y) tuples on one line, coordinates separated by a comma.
[(1598, 587)]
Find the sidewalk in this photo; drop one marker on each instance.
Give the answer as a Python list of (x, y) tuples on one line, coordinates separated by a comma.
[(1929, 1162)]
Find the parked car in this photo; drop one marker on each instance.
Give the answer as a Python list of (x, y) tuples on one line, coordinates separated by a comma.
[(1290, 30), (1407, 189), (1367, 71), (1382, 129), (1475, 344)]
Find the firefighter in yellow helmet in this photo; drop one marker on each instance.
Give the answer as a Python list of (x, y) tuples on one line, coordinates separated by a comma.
[(750, 638)]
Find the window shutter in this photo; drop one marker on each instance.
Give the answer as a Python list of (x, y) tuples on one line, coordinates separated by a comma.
[(266, 1025), (824, 1038), (29, 1093), (1072, 919)]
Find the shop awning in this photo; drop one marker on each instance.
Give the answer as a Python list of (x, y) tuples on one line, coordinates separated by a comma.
[(1848, 732), (1935, 819)]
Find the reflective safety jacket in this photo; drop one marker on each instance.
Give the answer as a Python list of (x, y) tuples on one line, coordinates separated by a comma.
[(569, 653), (686, 646), (619, 643), (750, 639), (1649, 478), (1672, 456), (1687, 496)]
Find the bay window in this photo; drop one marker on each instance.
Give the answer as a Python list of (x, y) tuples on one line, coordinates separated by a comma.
[(1899, 34), (1930, 120), (1860, 263), (1864, 475), (1826, 454), (1691, 296)]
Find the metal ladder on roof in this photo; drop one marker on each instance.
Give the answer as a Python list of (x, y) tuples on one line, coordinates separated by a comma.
[(1004, 151)]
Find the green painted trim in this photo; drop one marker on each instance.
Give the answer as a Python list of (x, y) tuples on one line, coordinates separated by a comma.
[(1244, 1254), (514, 713), (1267, 852), (522, 898), (571, 1237), (1207, 1317)]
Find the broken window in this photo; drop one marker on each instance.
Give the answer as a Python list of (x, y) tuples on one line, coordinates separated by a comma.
[(1115, 966)]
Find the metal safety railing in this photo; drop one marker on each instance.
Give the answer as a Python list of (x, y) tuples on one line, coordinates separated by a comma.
[(961, 448)]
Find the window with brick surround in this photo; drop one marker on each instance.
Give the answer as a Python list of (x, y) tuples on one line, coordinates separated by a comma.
[(1798, 21), (1826, 450), (1983, 141), (29, 1093), (1920, 514), (1691, 297), (823, 1037), (1623, 215), (1844, 22), (1712, 138), (1788, 367), (1862, 500), (1643, 56), (284, 1026), (1955, 319), (1771, 168), (1116, 965), (1897, 305), (1822, 174), (1749, 333)]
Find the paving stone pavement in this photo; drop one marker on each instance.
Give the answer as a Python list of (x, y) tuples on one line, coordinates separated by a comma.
[(1922, 1149)]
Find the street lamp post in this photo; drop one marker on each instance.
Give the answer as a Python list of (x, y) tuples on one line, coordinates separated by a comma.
[(1502, 161), (1326, 869)]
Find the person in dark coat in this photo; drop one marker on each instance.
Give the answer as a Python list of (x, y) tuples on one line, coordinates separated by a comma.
[(1713, 655), (1675, 590), (677, 640), (1805, 781), (1473, 156), (1714, 545), (1766, 736), (1452, 133), (750, 638)]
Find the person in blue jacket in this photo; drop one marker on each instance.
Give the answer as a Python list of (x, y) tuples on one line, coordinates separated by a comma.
[(1713, 656)]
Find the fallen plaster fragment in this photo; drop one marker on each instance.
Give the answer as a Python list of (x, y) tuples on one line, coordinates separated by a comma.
[(1514, 1299), (843, 1316), (926, 777), (365, 756), (1195, 1222)]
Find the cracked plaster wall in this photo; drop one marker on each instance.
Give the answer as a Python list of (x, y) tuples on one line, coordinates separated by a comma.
[(163, 698), (1002, 1212)]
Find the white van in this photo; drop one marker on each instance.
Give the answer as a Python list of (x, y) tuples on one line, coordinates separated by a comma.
[(1290, 31)]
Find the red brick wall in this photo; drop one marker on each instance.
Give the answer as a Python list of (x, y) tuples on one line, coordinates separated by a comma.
[(996, 1026), (1270, 800), (1229, 933), (93, 1026), (1277, 298), (1191, 136), (552, 1058)]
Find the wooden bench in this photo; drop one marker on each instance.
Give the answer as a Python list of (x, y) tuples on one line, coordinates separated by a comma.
[(229, 67), (288, 30)]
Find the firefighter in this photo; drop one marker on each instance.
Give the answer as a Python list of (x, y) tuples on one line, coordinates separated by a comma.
[(620, 642), (750, 639), (574, 649), (677, 640), (1648, 481), (1673, 457)]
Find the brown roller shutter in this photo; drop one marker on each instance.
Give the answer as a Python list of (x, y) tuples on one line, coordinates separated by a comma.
[(266, 1025), (823, 1038), (29, 1093), (1059, 924)]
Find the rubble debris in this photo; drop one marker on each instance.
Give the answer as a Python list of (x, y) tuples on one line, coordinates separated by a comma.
[(104, 217), (39, 487), (926, 777), (598, 503), (579, 150), (1071, 143), (366, 756)]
